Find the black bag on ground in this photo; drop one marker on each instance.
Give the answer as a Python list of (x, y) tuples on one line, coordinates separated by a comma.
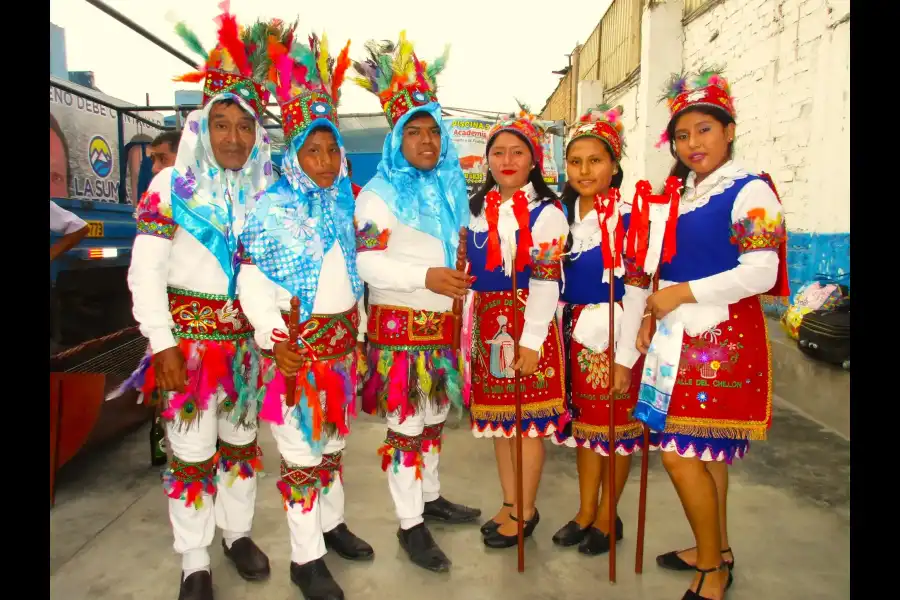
[(825, 334)]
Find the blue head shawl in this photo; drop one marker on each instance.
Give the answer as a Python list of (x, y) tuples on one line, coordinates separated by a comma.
[(435, 202), (295, 223), (210, 202)]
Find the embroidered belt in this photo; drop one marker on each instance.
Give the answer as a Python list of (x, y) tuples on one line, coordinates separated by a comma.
[(207, 316), (397, 327), (331, 336)]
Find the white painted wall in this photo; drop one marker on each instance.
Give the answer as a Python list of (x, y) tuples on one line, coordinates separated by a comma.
[(634, 149), (788, 62)]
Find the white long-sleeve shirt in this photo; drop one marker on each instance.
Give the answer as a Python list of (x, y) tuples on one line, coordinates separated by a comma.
[(586, 235), (543, 296), (263, 301), (64, 222), (396, 275), (159, 261)]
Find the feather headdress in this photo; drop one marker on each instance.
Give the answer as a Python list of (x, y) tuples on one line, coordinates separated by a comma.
[(706, 87), (393, 72), (306, 81), (239, 62), (603, 122), (524, 124)]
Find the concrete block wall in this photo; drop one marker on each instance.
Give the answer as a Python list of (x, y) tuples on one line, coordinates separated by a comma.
[(788, 62)]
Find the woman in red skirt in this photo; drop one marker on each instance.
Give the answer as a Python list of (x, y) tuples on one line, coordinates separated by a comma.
[(593, 154), (516, 220), (706, 387)]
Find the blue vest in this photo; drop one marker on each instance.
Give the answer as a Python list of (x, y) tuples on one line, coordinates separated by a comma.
[(584, 276), (703, 239), (496, 280)]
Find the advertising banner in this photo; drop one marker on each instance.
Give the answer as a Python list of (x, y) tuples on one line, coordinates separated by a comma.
[(84, 148)]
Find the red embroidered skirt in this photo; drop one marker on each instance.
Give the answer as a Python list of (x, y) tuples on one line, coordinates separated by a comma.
[(493, 405), (722, 398), (589, 379)]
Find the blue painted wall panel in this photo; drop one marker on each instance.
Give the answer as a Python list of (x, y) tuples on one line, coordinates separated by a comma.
[(815, 255)]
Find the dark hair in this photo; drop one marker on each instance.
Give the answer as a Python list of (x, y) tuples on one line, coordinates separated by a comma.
[(569, 196), (679, 169), (173, 138), (349, 166), (476, 202), (55, 128)]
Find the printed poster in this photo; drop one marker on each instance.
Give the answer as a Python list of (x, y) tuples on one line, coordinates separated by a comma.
[(84, 148), (469, 135)]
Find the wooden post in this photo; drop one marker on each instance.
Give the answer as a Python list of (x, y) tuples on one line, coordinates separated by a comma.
[(461, 256), (293, 333), (520, 485)]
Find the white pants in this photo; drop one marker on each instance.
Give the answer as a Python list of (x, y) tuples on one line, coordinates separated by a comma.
[(192, 527), (409, 493), (307, 528)]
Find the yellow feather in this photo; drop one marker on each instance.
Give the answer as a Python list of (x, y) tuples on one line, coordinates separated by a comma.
[(403, 58), (227, 62), (362, 82), (323, 59)]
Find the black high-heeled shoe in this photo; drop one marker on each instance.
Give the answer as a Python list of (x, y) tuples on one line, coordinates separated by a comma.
[(490, 526), (691, 595), (673, 562), (498, 540)]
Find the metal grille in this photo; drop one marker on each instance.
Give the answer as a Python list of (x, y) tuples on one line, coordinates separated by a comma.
[(620, 42), (117, 361)]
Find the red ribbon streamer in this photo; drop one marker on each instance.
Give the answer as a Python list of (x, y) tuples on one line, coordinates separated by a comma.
[(525, 243), (492, 214)]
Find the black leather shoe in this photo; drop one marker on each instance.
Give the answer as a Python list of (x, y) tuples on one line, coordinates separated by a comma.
[(315, 581), (196, 586), (570, 534), (448, 512), (498, 540), (347, 544), (673, 562), (490, 526), (596, 542), (422, 549), (252, 564)]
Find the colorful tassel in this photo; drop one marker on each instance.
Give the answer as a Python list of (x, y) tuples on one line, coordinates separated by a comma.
[(393, 458), (304, 497)]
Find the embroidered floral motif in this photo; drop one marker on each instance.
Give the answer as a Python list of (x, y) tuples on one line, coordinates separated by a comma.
[(369, 238), (634, 275), (707, 355), (546, 265), (153, 219), (427, 323), (596, 365), (757, 232)]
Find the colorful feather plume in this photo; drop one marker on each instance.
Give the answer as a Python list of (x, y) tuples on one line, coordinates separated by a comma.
[(243, 51), (389, 67), (301, 68)]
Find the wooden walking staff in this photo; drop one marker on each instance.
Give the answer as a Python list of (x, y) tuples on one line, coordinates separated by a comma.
[(612, 256), (520, 484), (662, 209), (293, 334), (461, 259)]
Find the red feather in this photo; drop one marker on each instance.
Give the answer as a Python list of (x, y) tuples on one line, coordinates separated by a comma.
[(340, 68), (194, 77), (229, 39)]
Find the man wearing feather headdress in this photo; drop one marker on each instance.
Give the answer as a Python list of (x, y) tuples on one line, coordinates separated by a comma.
[(302, 228), (408, 221), (183, 282)]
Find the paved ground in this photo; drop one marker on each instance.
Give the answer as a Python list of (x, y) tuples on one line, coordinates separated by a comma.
[(789, 508)]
